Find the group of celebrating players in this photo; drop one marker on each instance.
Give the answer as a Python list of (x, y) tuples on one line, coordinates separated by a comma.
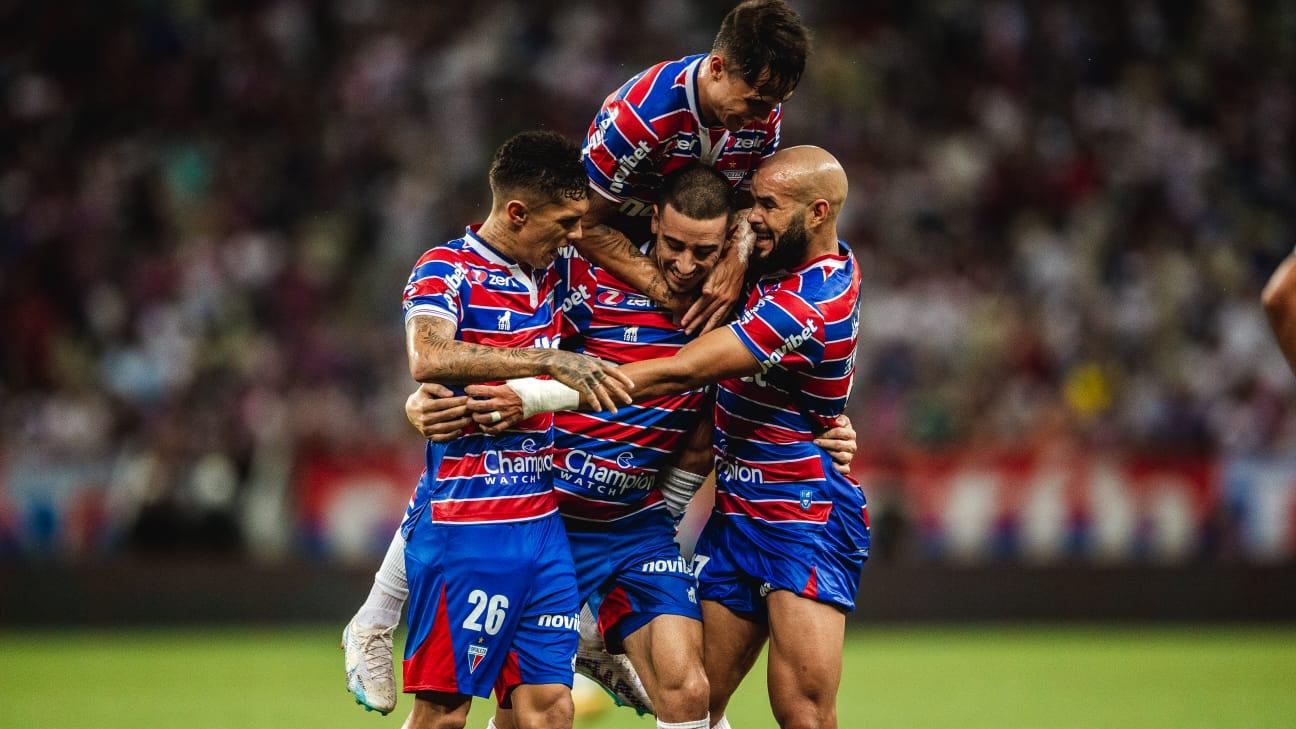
[(579, 380)]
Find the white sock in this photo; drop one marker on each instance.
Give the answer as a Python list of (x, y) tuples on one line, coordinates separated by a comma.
[(702, 723), (382, 608), (723, 723), (490, 723)]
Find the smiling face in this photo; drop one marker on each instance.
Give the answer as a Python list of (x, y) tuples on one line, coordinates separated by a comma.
[(778, 218), (548, 227), (686, 249)]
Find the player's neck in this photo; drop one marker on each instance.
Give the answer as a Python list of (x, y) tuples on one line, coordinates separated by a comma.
[(500, 236), (822, 243)]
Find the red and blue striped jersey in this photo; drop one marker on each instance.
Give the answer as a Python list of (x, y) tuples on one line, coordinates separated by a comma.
[(494, 301), (802, 328), (606, 464), (652, 126)]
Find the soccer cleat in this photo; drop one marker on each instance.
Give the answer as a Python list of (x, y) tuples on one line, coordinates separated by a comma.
[(370, 676), (613, 673)]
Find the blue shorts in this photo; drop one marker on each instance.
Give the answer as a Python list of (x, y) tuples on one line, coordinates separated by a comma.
[(631, 571), (741, 560), (491, 606)]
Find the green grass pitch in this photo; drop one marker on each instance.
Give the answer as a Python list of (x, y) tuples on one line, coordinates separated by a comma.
[(911, 678)]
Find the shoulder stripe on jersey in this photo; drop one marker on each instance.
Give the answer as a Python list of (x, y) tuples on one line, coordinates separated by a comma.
[(641, 88)]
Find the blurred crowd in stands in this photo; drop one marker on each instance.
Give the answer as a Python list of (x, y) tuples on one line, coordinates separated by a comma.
[(1063, 211)]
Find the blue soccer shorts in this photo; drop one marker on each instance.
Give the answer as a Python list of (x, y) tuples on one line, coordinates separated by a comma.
[(741, 559), (631, 571), (491, 606)]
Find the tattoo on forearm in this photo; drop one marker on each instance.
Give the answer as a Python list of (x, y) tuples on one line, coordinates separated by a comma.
[(444, 359), (452, 361), (612, 250)]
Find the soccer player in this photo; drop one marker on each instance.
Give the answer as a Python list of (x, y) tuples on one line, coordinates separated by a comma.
[(492, 590), (782, 554), (721, 108), (607, 466)]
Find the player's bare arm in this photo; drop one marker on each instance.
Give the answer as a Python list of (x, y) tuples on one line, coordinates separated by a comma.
[(609, 248), (715, 356), (1279, 298), (436, 356)]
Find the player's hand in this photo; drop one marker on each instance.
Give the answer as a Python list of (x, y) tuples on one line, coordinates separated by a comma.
[(723, 285), (840, 444), (495, 408), (436, 413), (601, 384)]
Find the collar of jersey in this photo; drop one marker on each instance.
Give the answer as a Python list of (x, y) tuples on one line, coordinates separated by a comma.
[(487, 251), (691, 92), (827, 260)]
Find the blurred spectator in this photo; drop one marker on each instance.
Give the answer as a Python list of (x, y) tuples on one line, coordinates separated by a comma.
[(1063, 212)]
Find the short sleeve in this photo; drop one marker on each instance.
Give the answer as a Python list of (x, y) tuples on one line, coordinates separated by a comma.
[(618, 149), (435, 287), (782, 330)]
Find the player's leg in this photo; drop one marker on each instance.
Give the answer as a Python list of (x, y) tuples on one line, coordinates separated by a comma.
[(731, 644), (805, 659), (537, 675), (367, 639), (652, 613), (594, 555), (437, 710), (667, 655), (542, 706)]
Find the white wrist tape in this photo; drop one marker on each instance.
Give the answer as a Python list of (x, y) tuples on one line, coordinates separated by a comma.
[(544, 396), (678, 486)]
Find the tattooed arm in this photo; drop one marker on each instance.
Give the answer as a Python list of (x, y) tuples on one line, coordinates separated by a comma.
[(436, 356), (611, 249)]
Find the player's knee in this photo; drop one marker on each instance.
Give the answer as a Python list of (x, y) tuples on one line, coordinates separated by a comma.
[(686, 692), (555, 714), (805, 712)]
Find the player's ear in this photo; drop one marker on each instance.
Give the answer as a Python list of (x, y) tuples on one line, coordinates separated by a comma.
[(818, 213), (517, 212), (656, 224), (715, 66)]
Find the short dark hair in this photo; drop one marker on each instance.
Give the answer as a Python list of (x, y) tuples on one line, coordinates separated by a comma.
[(545, 163), (699, 192), (764, 34)]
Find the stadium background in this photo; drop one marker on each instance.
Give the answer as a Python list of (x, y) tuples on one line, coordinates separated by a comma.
[(1068, 401)]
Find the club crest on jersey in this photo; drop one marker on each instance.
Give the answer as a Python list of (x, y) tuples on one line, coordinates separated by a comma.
[(807, 497), (475, 655), (504, 323), (631, 334)]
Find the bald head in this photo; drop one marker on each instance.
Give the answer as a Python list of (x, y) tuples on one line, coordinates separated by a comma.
[(805, 174)]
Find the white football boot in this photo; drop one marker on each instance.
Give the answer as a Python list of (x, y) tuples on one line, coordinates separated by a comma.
[(613, 673), (370, 675)]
